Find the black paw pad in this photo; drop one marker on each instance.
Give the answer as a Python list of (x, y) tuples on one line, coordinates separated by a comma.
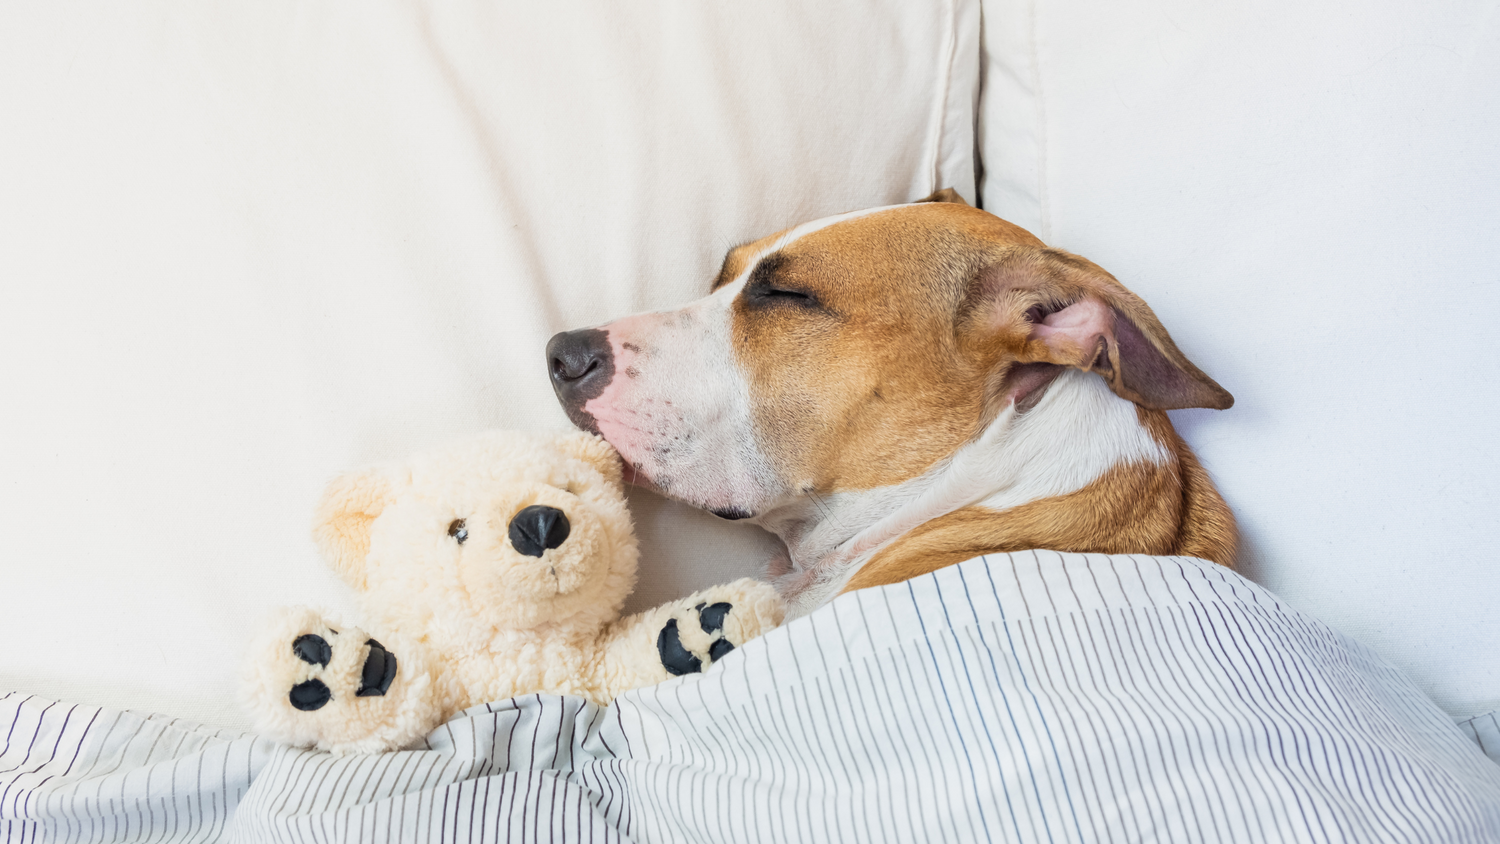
[(310, 695), (313, 650), (674, 657), (719, 649), (711, 619), (378, 671)]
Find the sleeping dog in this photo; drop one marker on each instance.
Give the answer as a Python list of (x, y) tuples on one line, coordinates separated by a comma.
[(902, 388)]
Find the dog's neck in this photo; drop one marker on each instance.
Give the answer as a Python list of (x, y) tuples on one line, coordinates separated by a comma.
[(1078, 431)]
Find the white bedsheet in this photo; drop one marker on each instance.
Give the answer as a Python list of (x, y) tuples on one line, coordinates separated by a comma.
[(1025, 697)]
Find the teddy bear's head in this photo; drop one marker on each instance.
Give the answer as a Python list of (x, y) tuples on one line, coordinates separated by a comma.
[(502, 531)]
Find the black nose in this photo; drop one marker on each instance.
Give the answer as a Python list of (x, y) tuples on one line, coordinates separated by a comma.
[(537, 528), (581, 365)]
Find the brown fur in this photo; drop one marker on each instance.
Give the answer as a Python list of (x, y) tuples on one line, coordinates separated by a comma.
[(1133, 509), (875, 386)]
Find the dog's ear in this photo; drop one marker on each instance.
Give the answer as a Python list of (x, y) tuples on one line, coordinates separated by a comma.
[(1048, 309), (944, 195), (345, 516)]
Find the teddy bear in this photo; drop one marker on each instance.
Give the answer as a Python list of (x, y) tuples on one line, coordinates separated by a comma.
[(492, 567)]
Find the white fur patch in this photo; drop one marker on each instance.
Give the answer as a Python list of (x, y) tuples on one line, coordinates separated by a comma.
[(678, 408), (1076, 433), (808, 228)]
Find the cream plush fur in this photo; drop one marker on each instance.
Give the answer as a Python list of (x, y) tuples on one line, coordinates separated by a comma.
[(466, 616)]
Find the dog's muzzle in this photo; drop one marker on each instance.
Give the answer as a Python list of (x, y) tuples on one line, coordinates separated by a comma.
[(581, 364)]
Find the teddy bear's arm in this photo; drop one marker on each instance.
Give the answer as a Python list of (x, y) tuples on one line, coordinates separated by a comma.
[(685, 636)]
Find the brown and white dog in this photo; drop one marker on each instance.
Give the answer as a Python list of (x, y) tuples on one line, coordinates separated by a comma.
[(903, 388)]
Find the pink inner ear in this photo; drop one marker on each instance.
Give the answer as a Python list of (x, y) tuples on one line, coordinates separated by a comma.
[(1073, 333), (1094, 337)]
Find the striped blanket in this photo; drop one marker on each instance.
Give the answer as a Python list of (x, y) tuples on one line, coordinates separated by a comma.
[(1034, 697)]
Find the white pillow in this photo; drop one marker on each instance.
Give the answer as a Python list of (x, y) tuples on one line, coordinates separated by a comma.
[(246, 246), (1308, 194)]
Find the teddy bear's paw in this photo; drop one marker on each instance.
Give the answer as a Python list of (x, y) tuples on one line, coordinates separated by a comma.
[(313, 682), (705, 642), (695, 637), (376, 671)]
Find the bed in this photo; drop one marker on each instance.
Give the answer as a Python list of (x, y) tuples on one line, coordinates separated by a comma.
[(243, 247), (1023, 697)]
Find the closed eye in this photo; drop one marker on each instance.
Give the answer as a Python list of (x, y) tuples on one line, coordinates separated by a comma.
[(789, 295), (768, 285)]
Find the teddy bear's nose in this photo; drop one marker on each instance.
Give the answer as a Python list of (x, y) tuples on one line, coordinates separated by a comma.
[(537, 528)]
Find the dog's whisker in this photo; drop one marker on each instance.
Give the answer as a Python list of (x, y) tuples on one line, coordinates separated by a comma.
[(824, 508)]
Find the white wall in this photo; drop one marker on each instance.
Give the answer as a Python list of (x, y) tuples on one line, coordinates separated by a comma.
[(1308, 194)]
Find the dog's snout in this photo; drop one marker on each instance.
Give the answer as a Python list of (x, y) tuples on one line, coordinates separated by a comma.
[(580, 362), (538, 528)]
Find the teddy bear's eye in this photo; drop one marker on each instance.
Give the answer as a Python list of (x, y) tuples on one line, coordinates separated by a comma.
[(459, 530)]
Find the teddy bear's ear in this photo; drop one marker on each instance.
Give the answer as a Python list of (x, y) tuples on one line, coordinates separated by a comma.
[(593, 450), (345, 516)]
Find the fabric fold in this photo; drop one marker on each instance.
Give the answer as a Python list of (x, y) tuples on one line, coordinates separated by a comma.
[(1029, 696)]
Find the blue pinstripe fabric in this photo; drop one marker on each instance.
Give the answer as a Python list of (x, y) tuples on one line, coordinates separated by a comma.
[(1034, 697), (1485, 732)]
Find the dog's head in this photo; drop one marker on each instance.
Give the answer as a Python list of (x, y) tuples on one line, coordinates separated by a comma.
[(856, 352)]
